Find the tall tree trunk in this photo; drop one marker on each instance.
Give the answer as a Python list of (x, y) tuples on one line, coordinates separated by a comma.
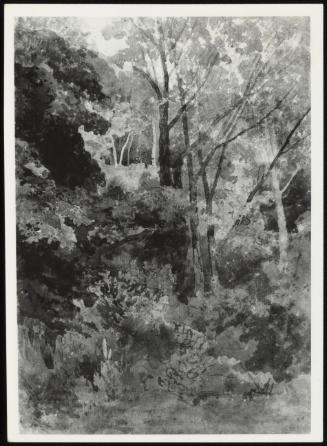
[(199, 244), (194, 221), (154, 142), (164, 149), (281, 219)]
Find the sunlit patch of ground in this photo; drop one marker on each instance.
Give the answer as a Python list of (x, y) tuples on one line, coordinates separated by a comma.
[(129, 176)]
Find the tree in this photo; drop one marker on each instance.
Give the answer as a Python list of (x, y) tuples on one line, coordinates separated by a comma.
[(246, 110), (152, 44), (53, 82)]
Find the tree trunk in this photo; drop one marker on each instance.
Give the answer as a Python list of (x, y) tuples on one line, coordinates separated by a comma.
[(127, 145), (210, 234), (281, 219), (194, 221), (154, 142), (164, 150), (128, 154), (208, 239), (114, 151), (206, 263), (199, 244), (177, 176)]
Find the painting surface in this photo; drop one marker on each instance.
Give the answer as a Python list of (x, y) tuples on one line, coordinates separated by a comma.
[(163, 224)]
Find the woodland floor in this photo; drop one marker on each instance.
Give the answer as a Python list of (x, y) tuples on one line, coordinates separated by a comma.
[(287, 411)]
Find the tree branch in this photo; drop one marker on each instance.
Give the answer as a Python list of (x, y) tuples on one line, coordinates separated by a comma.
[(148, 77), (218, 171), (241, 132), (194, 95), (290, 180), (255, 65), (229, 130), (179, 35), (181, 52), (219, 117), (163, 59), (205, 182), (154, 71), (296, 143), (248, 91), (280, 152), (149, 36)]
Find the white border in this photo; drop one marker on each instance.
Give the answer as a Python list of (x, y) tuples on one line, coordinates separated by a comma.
[(315, 11)]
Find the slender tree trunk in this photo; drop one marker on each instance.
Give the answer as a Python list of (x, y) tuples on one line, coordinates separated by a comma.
[(206, 246), (210, 233), (154, 142), (190, 168), (128, 154), (194, 221), (281, 219), (206, 240), (164, 149), (114, 150), (127, 145)]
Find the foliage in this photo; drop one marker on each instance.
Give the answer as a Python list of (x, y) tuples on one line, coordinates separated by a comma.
[(113, 313)]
